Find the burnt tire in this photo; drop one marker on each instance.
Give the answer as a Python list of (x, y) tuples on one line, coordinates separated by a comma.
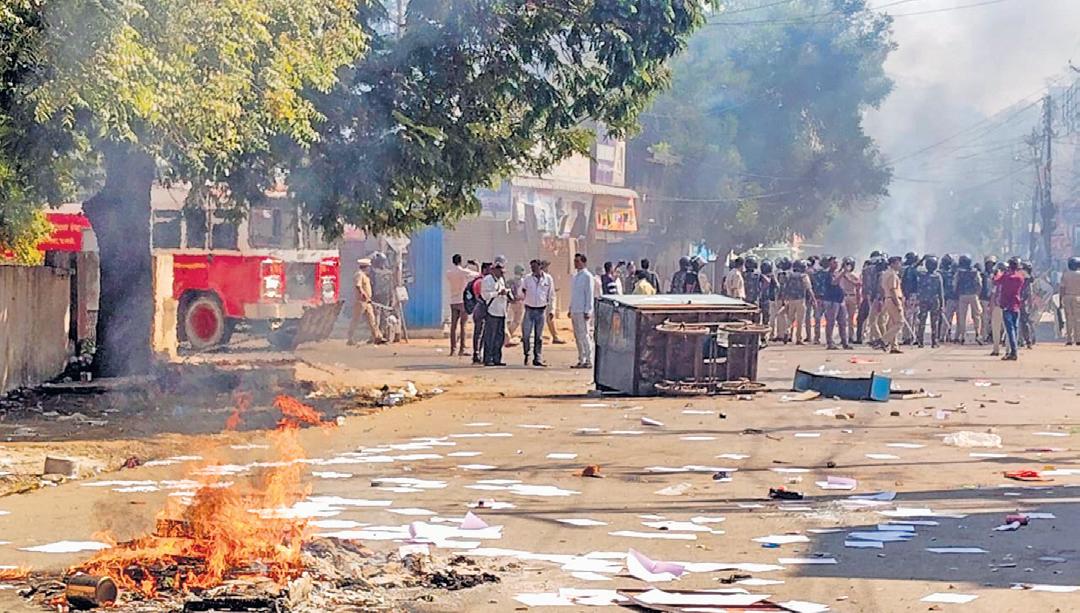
[(204, 323)]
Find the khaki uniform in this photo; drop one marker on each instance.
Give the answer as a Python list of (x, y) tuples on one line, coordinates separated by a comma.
[(850, 283), (1070, 303), (892, 307), (362, 308)]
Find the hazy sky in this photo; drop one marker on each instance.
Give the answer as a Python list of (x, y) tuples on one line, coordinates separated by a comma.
[(952, 66), (952, 69)]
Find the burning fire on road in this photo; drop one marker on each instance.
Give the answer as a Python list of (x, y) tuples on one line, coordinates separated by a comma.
[(228, 550)]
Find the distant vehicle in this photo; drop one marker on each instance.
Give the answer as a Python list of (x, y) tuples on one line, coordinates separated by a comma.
[(268, 272)]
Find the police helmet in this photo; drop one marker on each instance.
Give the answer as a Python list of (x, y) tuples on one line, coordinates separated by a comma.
[(964, 262), (684, 262), (784, 263), (989, 262), (849, 261), (751, 263), (1074, 263), (1014, 262), (947, 261), (766, 267), (875, 254), (1026, 266), (910, 258), (930, 262), (799, 265)]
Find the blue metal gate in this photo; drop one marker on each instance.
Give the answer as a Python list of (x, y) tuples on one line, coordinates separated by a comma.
[(425, 308)]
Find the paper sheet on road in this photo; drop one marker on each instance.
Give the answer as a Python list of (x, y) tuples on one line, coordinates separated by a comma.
[(949, 598)]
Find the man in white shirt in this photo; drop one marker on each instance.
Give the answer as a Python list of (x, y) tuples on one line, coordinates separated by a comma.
[(734, 283), (457, 277), (537, 294), (582, 295), (496, 296)]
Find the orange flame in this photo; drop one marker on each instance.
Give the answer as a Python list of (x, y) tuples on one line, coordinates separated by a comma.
[(219, 535)]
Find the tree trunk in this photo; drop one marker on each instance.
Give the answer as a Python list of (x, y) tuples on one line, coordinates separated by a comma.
[(120, 216)]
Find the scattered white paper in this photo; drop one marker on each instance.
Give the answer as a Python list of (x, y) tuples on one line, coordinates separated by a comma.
[(697, 438), (882, 456), (647, 421), (864, 544), (411, 512), (698, 412), (627, 432), (919, 512), (479, 424), (782, 539), (477, 466), (675, 490), (472, 522), (491, 504), (645, 569), (802, 606), (1038, 587), (807, 434), (733, 456), (67, 547), (790, 470), (676, 526), (837, 483), (711, 598), (561, 456), (906, 445), (798, 561), (703, 519), (581, 521), (464, 454), (336, 524), (882, 536), (534, 426), (594, 405), (988, 455), (755, 582), (330, 474), (948, 598), (670, 536), (586, 575), (956, 550), (1058, 434)]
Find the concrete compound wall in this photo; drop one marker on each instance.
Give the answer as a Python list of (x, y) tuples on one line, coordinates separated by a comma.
[(34, 323)]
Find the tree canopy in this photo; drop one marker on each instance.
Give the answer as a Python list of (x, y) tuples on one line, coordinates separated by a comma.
[(469, 91), (760, 135)]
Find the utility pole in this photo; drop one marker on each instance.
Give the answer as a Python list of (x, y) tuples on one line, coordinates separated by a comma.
[(1046, 205)]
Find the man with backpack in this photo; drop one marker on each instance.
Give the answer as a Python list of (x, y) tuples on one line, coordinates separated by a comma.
[(495, 297), (478, 309), (458, 277)]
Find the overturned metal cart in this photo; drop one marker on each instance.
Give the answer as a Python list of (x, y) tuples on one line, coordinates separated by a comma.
[(676, 344)]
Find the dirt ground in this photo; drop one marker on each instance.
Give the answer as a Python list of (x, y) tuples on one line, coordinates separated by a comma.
[(504, 423)]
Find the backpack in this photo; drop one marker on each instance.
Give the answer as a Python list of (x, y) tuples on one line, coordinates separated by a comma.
[(469, 297)]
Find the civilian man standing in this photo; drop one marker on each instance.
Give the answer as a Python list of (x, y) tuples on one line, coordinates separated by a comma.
[(1011, 283), (537, 294), (650, 276), (582, 294), (457, 277), (495, 295)]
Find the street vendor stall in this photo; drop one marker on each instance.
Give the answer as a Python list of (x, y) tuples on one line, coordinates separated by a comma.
[(675, 343)]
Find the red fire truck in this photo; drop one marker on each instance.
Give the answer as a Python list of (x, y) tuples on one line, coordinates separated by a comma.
[(268, 273)]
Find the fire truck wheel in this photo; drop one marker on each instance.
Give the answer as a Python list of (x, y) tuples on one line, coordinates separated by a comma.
[(205, 324)]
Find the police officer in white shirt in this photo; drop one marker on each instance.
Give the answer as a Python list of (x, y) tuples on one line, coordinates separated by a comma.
[(495, 295)]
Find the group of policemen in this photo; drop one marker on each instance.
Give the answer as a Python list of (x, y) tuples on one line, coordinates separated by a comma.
[(889, 302)]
